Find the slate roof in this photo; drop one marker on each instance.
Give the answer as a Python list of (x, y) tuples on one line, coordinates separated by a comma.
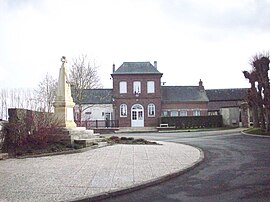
[(227, 94), (136, 68), (97, 96), (183, 94)]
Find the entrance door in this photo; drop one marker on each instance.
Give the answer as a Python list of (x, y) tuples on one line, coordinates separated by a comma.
[(137, 116), (107, 119)]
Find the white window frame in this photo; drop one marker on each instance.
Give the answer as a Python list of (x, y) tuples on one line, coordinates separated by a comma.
[(196, 112), (123, 110), (165, 113), (151, 110), (136, 87), (183, 113), (174, 111), (150, 86), (122, 87)]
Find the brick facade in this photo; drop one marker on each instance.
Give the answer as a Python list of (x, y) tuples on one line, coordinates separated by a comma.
[(167, 100), (130, 99)]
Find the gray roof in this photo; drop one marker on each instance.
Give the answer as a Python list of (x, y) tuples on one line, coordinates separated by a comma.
[(136, 68), (227, 94), (97, 96), (183, 94)]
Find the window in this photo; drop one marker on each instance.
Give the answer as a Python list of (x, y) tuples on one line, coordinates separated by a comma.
[(196, 113), (150, 87), (123, 110), (174, 113), (88, 115), (183, 113), (164, 113), (136, 87), (151, 110), (134, 115), (123, 87)]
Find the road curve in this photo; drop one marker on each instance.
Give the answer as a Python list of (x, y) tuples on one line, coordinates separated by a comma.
[(236, 168)]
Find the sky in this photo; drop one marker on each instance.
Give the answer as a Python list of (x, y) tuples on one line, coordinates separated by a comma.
[(211, 40)]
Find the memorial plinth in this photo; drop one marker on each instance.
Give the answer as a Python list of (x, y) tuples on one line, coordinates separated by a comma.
[(63, 109)]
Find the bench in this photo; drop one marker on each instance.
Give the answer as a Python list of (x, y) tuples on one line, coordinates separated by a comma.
[(165, 126), (162, 125)]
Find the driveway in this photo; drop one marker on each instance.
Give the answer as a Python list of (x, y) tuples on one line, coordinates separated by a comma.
[(236, 168)]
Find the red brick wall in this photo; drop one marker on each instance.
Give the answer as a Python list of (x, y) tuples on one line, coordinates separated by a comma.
[(130, 99)]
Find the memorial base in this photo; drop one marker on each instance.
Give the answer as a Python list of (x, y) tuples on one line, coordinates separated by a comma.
[(68, 135)]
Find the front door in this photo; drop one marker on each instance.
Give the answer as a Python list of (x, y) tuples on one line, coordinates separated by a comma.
[(137, 116)]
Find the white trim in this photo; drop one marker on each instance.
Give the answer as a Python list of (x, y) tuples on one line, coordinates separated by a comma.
[(148, 106), (120, 108)]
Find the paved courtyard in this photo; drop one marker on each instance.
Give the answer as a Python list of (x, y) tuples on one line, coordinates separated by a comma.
[(91, 173)]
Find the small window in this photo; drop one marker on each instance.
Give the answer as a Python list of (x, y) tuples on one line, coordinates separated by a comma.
[(136, 87), (123, 110), (134, 115), (164, 113), (123, 87), (183, 113), (150, 87), (196, 113), (151, 110), (174, 113)]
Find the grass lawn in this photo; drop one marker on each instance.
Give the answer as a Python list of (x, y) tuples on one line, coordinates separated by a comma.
[(256, 131)]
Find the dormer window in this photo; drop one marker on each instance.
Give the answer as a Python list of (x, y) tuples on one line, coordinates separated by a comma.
[(136, 87)]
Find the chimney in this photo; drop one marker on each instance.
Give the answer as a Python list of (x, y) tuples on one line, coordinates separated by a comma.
[(155, 64), (113, 68), (201, 87)]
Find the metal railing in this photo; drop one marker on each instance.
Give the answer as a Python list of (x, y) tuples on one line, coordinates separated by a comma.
[(98, 124)]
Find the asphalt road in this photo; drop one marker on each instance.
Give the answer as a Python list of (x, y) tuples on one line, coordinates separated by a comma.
[(236, 168)]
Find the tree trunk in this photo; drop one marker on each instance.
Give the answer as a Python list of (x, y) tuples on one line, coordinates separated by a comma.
[(80, 115), (255, 116), (267, 120)]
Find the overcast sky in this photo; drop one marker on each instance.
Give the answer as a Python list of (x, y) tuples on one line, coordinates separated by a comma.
[(212, 40)]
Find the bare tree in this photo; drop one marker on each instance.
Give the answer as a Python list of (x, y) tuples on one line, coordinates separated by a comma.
[(83, 75), (46, 93), (259, 95), (4, 103)]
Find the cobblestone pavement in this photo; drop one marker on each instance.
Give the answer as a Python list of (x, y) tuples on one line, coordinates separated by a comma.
[(91, 173)]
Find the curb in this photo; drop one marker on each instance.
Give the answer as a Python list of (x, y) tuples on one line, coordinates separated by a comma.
[(150, 183), (254, 135), (62, 152)]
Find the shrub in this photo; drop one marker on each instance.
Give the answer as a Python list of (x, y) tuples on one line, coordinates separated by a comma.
[(28, 130)]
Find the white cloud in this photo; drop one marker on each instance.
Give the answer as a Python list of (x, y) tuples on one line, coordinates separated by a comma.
[(191, 40)]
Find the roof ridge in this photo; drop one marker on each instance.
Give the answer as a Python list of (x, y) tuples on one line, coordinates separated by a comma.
[(98, 89), (179, 86)]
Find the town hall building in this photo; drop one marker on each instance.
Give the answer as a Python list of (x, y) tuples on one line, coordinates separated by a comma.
[(138, 98)]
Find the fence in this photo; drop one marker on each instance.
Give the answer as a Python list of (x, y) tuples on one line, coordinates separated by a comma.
[(99, 124), (193, 121)]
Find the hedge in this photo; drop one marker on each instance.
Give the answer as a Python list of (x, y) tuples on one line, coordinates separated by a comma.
[(182, 122)]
